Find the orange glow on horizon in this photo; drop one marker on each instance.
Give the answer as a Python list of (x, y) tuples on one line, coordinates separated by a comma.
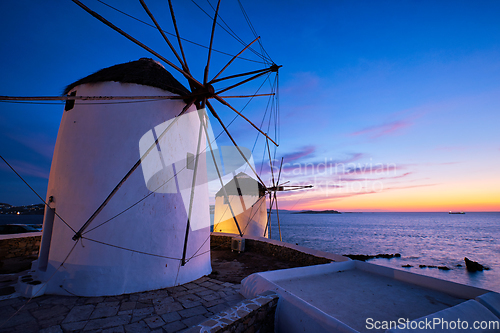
[(424, 199)]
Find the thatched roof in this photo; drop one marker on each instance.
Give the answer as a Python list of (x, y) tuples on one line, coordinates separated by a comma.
[(144, 71), (244, 182)]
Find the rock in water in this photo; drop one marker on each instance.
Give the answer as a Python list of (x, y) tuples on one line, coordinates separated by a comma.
[(473, 266), (364, 257)]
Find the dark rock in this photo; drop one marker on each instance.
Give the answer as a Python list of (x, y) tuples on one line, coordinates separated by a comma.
[(473, 266), (443, 268), (407, 265), (364, 257), (422, 266), (361, 257)]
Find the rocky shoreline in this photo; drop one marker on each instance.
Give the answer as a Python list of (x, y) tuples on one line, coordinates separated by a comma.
[(471, 266)]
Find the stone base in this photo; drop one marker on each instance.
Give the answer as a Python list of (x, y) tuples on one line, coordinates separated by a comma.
[(28, 287)]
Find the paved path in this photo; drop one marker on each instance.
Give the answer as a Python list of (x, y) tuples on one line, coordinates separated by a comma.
[(165, 310)]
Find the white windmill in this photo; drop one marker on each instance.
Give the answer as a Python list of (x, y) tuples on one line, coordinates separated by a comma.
[(109, 228)]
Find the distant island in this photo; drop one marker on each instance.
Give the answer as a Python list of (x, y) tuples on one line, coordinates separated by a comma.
[(318, 212), (21, 210)]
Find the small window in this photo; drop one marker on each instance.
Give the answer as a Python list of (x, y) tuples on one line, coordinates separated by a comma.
[(70, 103), (190, 161)]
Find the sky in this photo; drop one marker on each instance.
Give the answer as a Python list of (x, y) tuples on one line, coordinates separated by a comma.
[(384, 105)]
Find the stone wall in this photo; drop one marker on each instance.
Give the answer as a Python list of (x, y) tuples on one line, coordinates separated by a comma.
[(249, 316), (280, 252), (19, 246)]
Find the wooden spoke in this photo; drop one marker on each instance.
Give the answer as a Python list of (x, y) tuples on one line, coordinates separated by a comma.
[(244, 81), (191, 197), (268, 225), (123, 33), (249, 96), (279, 173), (205, 79), (212, 110), (278, 215), (292, 188), (202, 94), (239, 75), (276, 199), (178, 37), (84, 98), (270, 163), (226, 197), (234, 58), (220, 99), (163, 35)]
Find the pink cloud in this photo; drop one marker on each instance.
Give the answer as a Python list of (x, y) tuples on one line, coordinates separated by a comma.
[(377, 168), (378, 179), (37, 142), (305, 151), (292, 166), (26, 169), (383, 129), (320, 199)]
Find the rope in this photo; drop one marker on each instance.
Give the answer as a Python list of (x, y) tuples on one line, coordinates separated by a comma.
[(82, 104), (131, 250), (236, 116), (32, 189), (256, 211), (254, 31), (194, 255), (136, 203), (232, 34), (171, 34)]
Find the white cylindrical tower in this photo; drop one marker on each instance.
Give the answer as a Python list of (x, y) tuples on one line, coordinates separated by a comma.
[(137, 241), (244, 197)]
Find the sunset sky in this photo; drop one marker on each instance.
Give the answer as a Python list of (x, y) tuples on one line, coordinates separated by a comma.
[(384, 105)]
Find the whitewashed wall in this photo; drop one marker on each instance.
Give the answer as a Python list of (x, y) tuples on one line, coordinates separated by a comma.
[(97, 144)]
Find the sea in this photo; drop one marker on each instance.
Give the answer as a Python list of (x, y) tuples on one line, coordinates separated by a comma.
[(20, 219), (431, 239)]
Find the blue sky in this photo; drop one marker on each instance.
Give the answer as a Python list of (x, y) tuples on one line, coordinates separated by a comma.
[(409, 86)]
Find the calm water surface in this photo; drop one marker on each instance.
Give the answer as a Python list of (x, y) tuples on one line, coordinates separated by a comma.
[(21, 219), (438, 239)]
